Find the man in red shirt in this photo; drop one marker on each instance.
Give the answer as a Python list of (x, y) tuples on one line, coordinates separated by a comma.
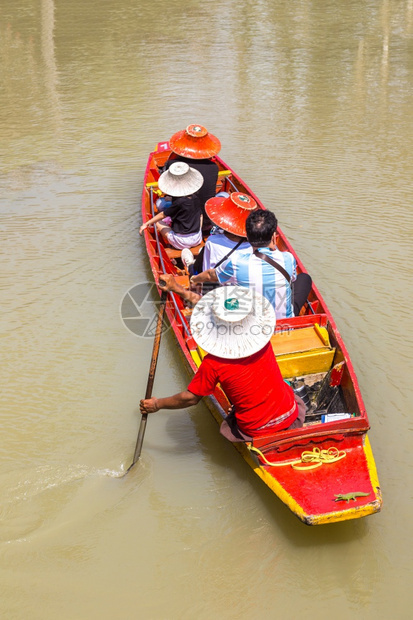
[(234, 326)]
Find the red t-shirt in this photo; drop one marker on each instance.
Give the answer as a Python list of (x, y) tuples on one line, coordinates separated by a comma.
[(254, 385)]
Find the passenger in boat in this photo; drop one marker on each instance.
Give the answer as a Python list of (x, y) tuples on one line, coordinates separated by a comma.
[(266, 269), (228, 213), (196, 146), (234, 325), (181, 183)]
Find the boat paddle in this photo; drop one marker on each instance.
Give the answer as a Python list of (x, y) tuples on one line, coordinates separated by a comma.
[(151, 377)]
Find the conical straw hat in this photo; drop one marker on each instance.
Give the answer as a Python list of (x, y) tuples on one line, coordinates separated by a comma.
[(232, 322), (195, 142), (180, 180), (231, 213)]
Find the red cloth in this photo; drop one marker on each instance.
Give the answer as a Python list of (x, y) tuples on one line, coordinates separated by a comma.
[(254, 385)]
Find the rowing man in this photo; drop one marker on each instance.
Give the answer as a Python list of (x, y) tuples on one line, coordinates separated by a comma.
[(234, 325)]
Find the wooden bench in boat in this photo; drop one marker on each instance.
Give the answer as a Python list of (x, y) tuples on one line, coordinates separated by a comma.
[(173, 253), (303, 351)]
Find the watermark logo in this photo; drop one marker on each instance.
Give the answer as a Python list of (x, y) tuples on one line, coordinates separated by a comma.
[(139, 310)]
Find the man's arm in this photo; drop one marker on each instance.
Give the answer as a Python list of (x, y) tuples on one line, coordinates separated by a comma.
[(205, 276), (168, 283), (177, 401)]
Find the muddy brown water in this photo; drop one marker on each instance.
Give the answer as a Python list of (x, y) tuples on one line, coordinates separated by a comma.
[(313, 105)]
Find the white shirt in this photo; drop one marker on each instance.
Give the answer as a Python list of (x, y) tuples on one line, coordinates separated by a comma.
[(246, 269), (218, 246)]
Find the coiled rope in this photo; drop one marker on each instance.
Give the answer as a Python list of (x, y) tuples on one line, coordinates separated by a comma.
[(308, 460)]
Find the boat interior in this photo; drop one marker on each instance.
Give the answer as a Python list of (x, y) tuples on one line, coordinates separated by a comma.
[(307, 347)]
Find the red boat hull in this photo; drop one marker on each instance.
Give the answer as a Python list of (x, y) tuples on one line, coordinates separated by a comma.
[(310, 494)]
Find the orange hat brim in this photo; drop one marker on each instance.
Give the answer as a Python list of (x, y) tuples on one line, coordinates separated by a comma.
[(229, 215), (201, 147)]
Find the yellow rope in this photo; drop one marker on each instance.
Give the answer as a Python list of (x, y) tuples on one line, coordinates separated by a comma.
[(308, 460), (319, 457)]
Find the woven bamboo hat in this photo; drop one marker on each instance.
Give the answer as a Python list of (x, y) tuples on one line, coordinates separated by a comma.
[(232, 322), (231, 213), (180, 180), (195, 142)]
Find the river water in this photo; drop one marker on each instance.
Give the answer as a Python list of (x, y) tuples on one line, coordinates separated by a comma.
[(312, 102)]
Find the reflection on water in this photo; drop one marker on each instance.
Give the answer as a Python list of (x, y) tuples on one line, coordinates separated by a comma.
[(312, 103), (48, 55)]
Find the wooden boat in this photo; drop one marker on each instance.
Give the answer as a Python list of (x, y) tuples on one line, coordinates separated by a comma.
[(325, 471)]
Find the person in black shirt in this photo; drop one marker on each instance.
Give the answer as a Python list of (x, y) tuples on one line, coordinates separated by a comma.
[(185, 213)]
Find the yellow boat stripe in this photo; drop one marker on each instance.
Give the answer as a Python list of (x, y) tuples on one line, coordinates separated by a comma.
[(195, 357), (371, 465)]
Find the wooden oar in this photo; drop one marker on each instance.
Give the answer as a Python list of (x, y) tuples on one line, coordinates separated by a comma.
[(151, 377)]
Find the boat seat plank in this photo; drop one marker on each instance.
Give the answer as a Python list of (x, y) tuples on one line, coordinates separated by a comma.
[(173, 253), (297, 340), (303, 351)]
